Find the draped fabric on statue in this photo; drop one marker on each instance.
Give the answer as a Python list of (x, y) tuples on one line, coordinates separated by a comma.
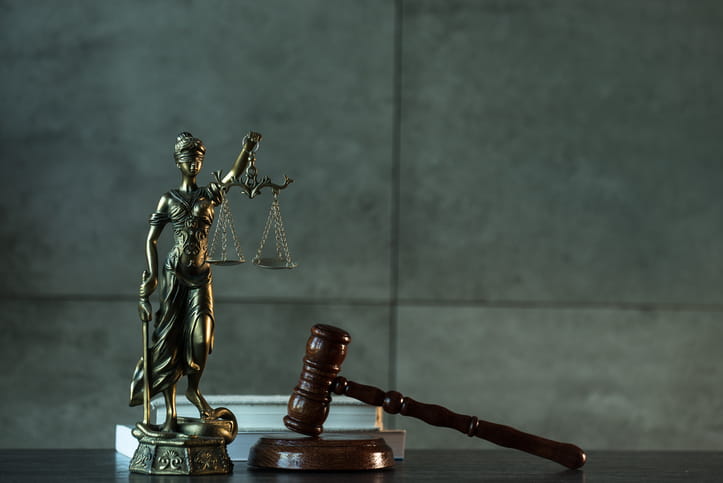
[(186, 293)]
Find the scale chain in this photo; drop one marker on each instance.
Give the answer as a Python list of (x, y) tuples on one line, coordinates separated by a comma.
[(214, 240), (282, 247), (265, 234), (277, 232), (224, 224), (237, 244)]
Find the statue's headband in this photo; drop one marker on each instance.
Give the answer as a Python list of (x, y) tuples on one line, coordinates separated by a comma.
[(188, 146)]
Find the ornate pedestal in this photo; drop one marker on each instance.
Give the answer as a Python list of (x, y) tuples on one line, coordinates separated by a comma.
[(198, 456), (198, 449)]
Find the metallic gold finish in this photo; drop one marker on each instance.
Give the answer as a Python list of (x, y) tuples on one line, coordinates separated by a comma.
[(146, 367), (183, 330), (159, 455), (251, 185)]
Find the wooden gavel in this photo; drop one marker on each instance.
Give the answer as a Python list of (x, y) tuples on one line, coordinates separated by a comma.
[(309, 404)]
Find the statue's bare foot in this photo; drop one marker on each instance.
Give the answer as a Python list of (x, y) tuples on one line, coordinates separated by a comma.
[(170, 426)]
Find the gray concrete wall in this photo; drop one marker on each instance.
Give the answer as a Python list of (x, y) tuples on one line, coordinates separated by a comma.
[(513, 206)]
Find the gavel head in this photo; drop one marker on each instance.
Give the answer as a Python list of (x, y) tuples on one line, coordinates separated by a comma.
[(309, 404)]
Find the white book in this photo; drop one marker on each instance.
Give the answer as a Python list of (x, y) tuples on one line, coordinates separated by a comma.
[(266, 413), (238, 450)]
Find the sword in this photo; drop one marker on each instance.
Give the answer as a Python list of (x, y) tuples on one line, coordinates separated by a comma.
[(145, 319)]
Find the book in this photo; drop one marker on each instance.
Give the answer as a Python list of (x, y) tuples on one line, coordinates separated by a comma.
[(238, 450), (266, 412)]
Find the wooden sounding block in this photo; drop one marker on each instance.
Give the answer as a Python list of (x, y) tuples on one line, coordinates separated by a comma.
[(326, 452)]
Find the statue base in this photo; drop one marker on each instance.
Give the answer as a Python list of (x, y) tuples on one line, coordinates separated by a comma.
[(199, 448), (197, 456), (333, 452)]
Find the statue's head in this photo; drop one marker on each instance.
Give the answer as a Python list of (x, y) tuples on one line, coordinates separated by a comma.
[(189, 152)]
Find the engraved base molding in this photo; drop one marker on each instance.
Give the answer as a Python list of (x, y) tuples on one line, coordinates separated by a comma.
[(190, 456)]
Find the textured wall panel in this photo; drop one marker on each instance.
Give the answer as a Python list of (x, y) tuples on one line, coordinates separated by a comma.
[(94, 95), (69, 364), (559, 165), (562, 151), (599, 378)]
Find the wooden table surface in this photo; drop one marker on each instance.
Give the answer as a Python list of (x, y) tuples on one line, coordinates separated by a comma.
[(99, 465)]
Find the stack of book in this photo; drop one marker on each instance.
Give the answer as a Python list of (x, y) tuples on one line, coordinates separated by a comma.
[(260, 416)]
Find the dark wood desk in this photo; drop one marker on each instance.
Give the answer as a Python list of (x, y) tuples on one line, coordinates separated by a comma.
[(421, 465)]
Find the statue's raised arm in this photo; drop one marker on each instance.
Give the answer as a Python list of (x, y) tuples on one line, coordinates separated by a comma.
[(251, 143)]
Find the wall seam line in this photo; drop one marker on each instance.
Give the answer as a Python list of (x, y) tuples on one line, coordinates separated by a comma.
[(396, 192)]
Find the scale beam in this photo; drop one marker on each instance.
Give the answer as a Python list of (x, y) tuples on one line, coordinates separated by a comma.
[(252, 186)]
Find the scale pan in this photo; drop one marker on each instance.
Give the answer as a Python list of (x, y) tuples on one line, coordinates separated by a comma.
[(224, 263), (273, 263)]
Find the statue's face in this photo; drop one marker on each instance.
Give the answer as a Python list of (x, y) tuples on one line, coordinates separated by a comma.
[(190, 166)]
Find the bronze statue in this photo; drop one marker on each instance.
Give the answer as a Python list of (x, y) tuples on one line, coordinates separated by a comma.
[(183, 329), (184, 326)]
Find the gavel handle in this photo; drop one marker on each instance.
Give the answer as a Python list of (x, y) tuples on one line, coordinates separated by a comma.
[(393, 402)]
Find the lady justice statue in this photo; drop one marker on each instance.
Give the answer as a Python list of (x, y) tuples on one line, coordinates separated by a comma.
[(183, 330)]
